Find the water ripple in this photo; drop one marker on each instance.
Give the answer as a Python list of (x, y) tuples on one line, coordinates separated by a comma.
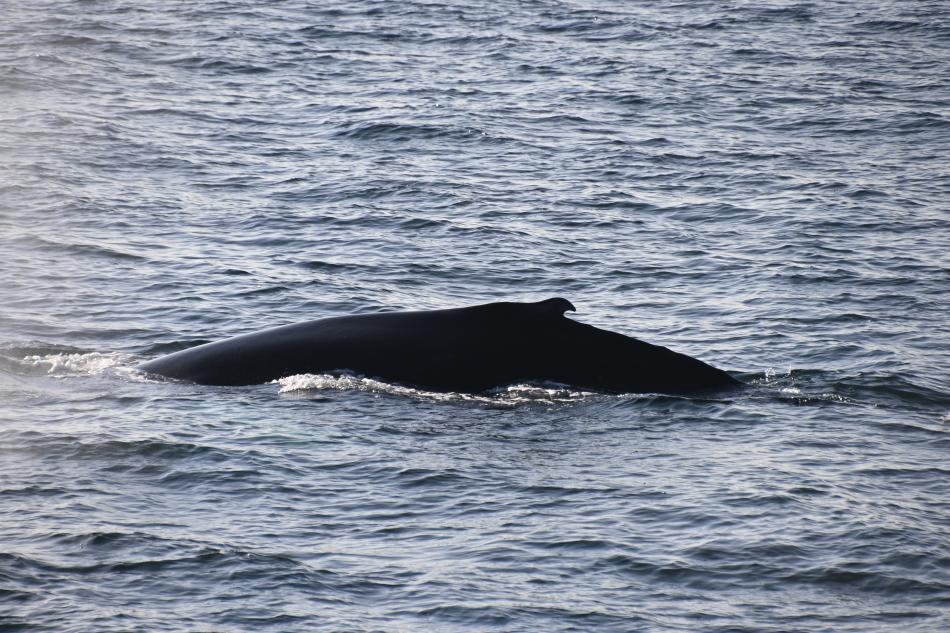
[(753, 184)]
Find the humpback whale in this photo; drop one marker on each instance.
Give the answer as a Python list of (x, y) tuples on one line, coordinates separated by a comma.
[(470, 350)]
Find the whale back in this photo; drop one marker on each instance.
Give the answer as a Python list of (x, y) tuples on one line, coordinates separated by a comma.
[(469, 349), (429, 348)]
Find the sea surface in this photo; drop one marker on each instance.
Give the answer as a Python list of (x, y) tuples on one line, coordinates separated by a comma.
[(762, 185)]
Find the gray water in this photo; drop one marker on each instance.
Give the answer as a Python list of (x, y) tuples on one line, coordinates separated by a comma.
[(761, 185)]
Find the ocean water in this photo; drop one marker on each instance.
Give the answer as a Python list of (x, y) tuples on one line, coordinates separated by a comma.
[(763, 185)]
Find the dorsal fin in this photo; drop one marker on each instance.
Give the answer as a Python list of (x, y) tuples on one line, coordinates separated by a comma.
[(555, 306)]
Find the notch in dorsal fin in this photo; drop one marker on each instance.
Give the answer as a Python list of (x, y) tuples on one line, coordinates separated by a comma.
[(555, 307)]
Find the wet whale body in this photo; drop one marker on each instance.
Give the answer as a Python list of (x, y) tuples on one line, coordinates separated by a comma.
[(469, 350)]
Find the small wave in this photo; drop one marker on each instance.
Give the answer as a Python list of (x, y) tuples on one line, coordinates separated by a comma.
[(817, 387), (797, 386), (512, 395), (767, 15), (217, 65), (88, 249), (889, 26), (893, 388), (428, 478), (408, 132)]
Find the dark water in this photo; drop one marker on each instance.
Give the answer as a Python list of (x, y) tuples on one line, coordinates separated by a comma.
[(762, 185)]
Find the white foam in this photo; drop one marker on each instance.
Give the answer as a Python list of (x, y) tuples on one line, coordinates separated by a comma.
[(771, 373), (553, 393), (512, 395), (87, 364)]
